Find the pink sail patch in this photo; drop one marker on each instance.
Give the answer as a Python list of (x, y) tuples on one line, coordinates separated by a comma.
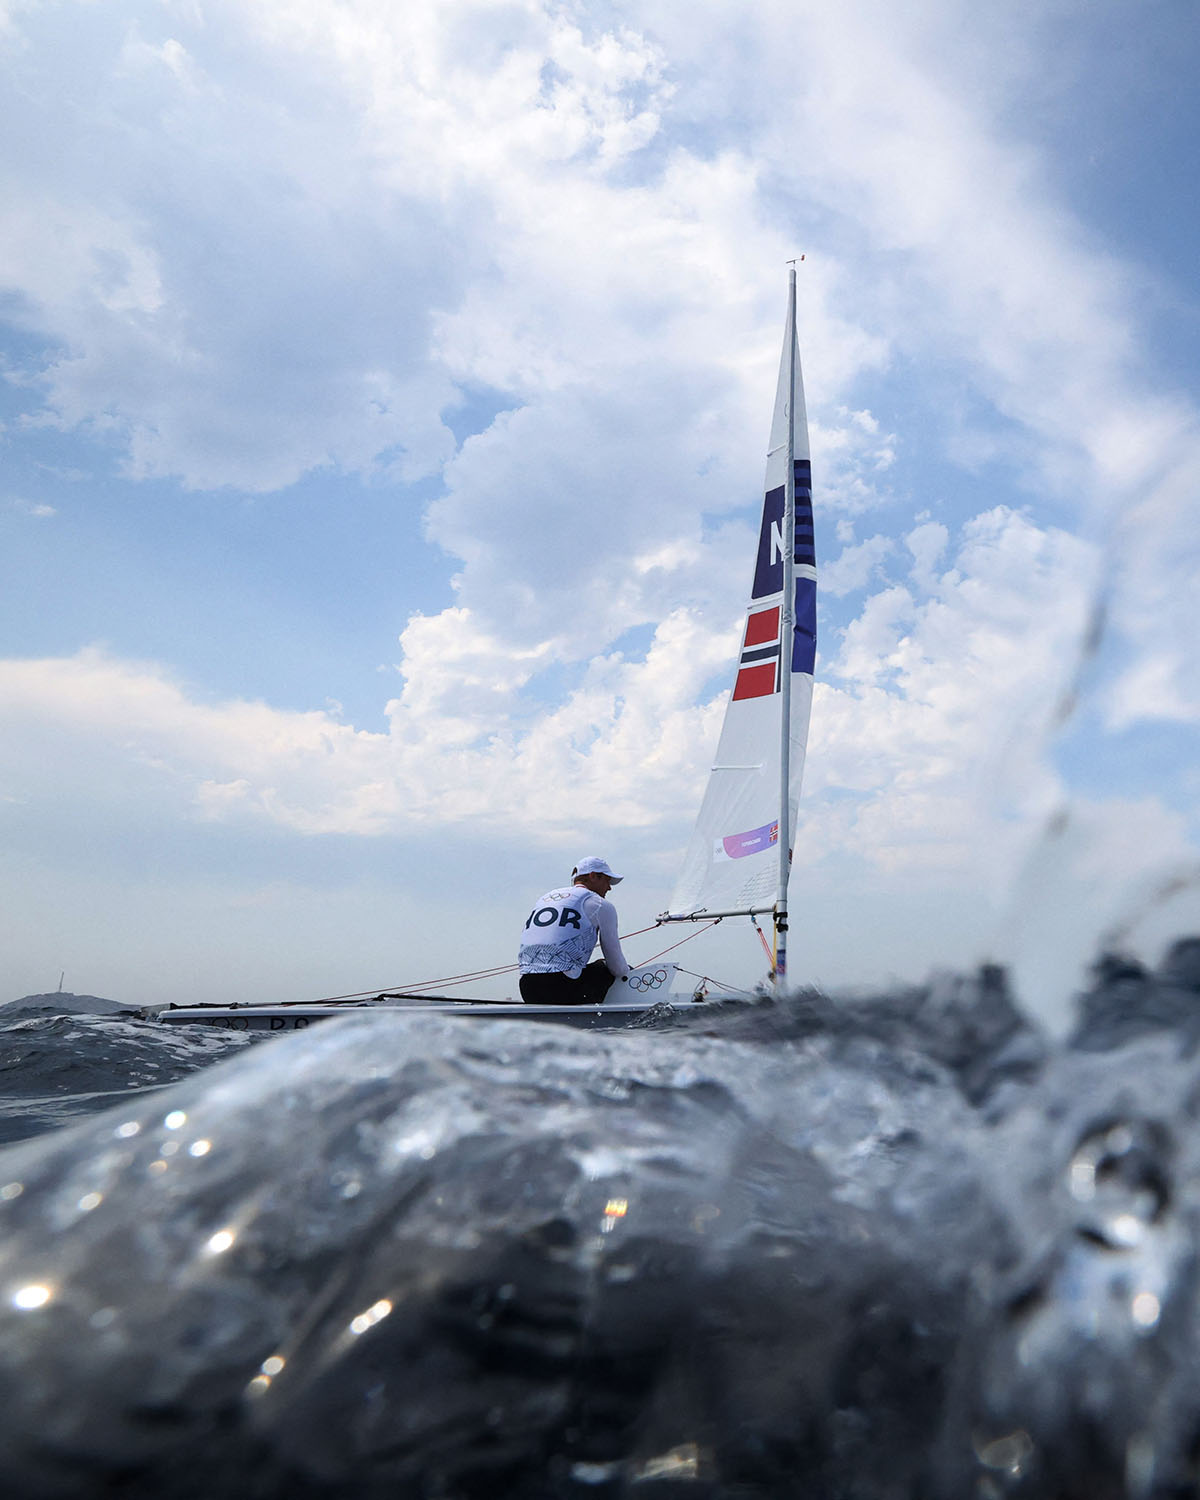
[(738, 845)]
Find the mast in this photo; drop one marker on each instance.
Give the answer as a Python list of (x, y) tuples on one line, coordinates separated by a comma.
[(739, 857), (786, 639)]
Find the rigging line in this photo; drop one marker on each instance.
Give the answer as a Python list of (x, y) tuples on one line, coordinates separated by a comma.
[(763, 941), (421, 984), (679, 944), (708, 979), (451, 981), (455, 979)]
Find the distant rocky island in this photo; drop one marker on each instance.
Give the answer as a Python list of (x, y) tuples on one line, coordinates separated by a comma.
[(61, 1003)]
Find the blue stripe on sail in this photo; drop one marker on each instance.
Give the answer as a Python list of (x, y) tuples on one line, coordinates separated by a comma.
[(804, 641), (768, 566), (805, 545), (762, 654)]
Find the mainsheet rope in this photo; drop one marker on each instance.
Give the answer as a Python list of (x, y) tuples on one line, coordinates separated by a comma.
[(452, 981), (679, 944), (708, 979)]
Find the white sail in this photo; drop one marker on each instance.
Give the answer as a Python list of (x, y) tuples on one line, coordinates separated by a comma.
[(733, 862)]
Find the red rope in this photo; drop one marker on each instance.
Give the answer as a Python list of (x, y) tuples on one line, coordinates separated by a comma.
[(763, 941)]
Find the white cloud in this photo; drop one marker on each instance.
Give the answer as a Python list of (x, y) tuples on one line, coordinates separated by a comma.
[(250, 284), (932, 688), (625, 745), (944, 699), (856, 566), (854, 457), (927, 542)]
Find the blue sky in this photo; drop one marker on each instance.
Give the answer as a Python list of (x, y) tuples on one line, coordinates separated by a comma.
[(384, 399)]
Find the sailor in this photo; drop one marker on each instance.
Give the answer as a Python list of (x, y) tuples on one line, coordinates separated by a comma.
[(560, 933)]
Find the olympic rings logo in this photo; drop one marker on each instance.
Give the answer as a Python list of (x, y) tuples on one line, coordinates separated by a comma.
[(648, 979)]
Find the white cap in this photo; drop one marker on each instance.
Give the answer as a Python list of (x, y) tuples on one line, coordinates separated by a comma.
[(594, 865)]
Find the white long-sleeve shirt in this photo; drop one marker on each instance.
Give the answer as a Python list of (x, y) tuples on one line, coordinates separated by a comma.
[(561, 932)]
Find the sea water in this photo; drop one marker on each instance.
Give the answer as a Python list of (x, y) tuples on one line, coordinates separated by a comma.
[(898, 1246), (63, 1056)]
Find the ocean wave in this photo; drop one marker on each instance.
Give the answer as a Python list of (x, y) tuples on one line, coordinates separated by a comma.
[(895, 1247)]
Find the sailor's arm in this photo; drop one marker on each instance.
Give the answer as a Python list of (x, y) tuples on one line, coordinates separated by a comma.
[(610, 941)]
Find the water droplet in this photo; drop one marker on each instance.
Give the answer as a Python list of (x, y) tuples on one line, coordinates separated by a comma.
[(683, 1462), (374, 1314), (594, 1473), (1146, 1309), (36, 1294), (1139, 1465), (1118, 1175), (1009, 1453)]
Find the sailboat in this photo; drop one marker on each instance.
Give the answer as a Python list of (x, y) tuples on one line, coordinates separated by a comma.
[(739, 857)]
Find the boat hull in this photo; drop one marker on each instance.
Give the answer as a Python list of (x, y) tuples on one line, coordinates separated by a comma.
[(299, 1017), (648, 988)]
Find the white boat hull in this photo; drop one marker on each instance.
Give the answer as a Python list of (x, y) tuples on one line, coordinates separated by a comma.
[(648, 988)]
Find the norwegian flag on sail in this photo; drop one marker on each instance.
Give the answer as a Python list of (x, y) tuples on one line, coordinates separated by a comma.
[(758, 669), (758, 673)]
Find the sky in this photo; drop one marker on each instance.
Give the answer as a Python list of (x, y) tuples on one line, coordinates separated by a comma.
[(384, 397)]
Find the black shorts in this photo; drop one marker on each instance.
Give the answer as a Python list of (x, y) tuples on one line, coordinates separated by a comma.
[(557, 989)]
